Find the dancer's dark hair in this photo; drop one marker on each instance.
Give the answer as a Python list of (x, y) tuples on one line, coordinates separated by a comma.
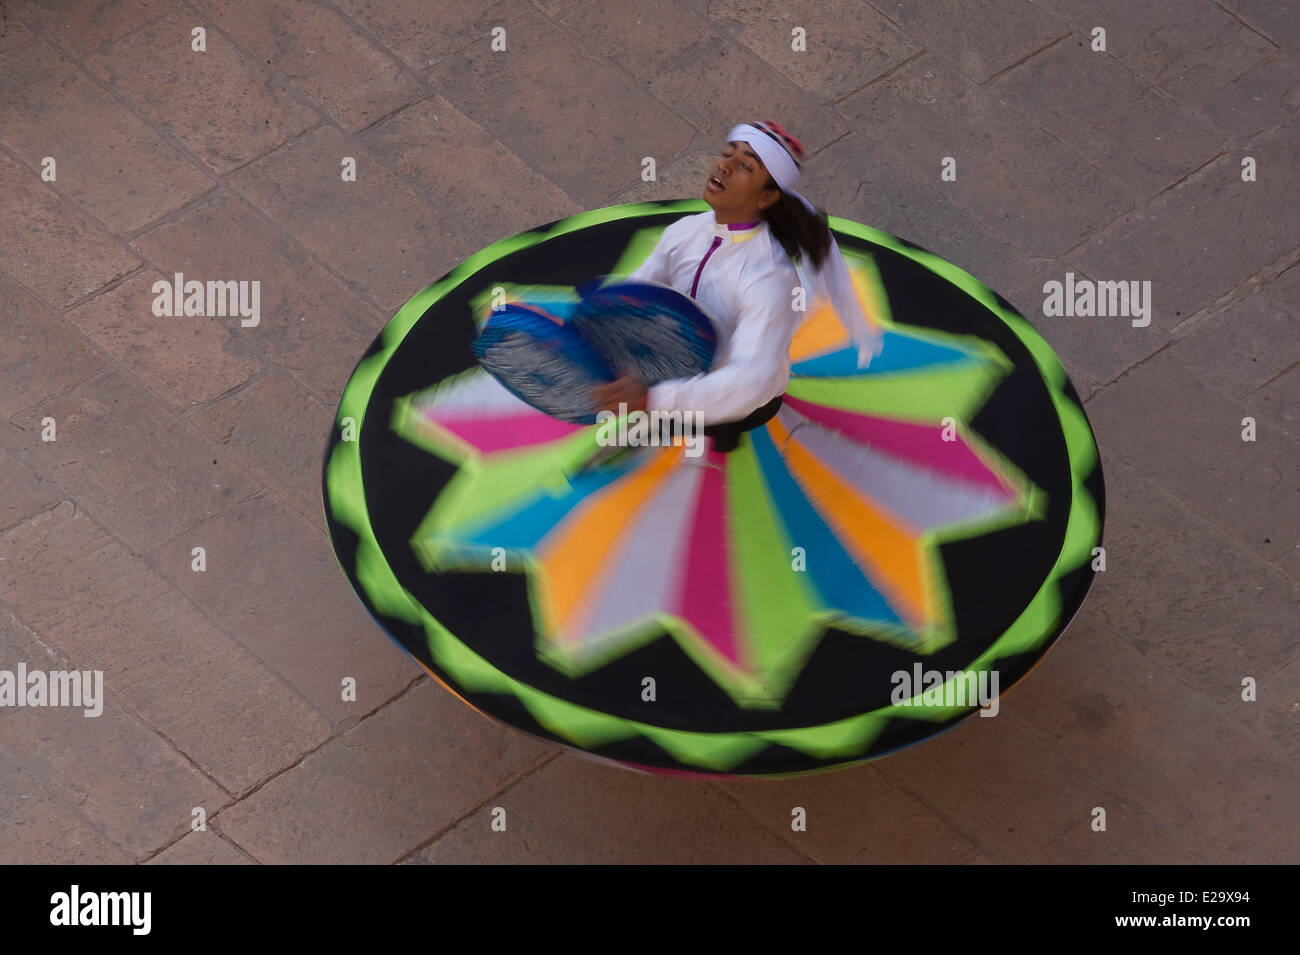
[(800, 232)]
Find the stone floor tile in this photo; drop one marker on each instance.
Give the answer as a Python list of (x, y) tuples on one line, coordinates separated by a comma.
[(1208, 784), (184, 359), (226, 108), (61, 255), (854, 817), (311, 324), (1184, 596), (586, 129), (420, 40), (83, 25), (926, 112), (40, 355), (385, 787), (112, 164), (377, 231), (320, 52), (1150, 143), (432, 143), (1184, 437), (272, 581), (120, 774), (1260, 97), (982, 39), (104, 608), (278, 432), (35, 829), (201, 848), (1190, 48), (846, 44), (144, 474), (576, 811), (1198, 241), (1250, 341)]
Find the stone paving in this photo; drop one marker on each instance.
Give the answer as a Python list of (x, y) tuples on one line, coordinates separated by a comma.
[(222, 687)]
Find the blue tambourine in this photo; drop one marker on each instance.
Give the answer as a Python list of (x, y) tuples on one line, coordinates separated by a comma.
[(647, 330), (542, 361)]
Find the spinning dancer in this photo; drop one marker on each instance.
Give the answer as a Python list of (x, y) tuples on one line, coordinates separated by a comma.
[(935, 513), (738, 261)]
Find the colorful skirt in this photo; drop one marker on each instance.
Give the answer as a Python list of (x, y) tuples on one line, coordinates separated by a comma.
[(881, 558)]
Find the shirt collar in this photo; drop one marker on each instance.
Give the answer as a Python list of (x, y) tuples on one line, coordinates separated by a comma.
[(738, 231)]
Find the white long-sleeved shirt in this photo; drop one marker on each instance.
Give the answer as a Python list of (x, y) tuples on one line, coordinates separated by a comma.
[(735, 276)]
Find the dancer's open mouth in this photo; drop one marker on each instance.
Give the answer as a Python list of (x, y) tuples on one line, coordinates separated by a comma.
[(715, 184)]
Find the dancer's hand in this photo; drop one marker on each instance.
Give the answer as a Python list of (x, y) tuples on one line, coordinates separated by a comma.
[(626, 390)]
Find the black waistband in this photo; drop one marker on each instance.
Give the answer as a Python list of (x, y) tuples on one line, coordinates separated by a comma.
[(726, 435), (759, 416)]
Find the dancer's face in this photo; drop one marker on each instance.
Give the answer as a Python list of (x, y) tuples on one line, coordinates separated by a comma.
[(737, 186)]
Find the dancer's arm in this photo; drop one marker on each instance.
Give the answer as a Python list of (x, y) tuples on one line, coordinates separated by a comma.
[(757, 368)]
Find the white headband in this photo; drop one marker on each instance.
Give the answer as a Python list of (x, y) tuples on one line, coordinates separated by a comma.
[(780, 164), (832, 280), (778, 161)]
